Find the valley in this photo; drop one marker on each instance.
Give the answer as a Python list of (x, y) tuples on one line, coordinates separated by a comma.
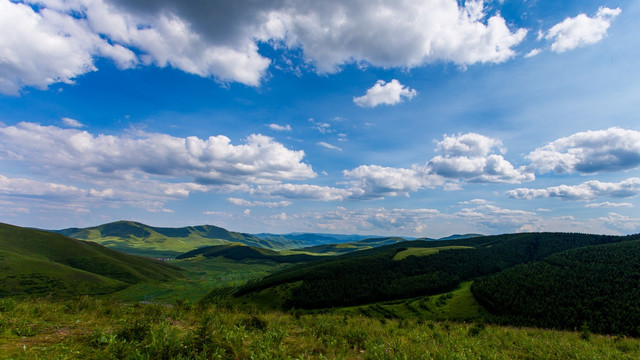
[(462, 288)]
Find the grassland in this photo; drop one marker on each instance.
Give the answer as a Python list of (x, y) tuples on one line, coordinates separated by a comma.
[(414, 251), (86, 328), (201, 276)]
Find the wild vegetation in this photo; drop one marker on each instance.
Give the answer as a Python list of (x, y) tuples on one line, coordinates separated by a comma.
[(87, 328), (416, 299), (43, 263)]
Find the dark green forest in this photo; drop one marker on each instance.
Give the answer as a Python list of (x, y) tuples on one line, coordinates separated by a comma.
[(372, 276), (594, 288)]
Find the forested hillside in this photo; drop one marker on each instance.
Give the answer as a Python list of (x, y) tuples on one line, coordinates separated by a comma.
[(595, 288), (373, 275)]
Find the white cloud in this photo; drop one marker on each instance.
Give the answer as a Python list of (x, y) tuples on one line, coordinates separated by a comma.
[(382, 93), (267, 204), (468, 156), (619, 221), (373, 181), (277, 127), (533, 53), (30, 187), (608, 204), (72, 122), (613, 149), (60, 41), (581, 30), (302, 192), (585, 191), (142, 193), (329, 146), (207, 161)]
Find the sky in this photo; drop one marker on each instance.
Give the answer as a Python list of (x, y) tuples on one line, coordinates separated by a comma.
[(420, 118)]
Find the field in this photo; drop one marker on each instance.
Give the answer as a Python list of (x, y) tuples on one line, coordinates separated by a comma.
[(87, 328), (425, 251), (202, 275)]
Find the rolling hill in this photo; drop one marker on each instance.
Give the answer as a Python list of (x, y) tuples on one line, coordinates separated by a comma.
[(374, 275), (140, 239), (36, 262), (240, 252)]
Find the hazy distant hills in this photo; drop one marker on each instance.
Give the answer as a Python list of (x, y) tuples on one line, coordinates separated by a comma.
[(40, 262), (140, 239)]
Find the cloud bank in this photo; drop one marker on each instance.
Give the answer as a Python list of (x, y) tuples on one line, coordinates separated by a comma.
[(48, 41)]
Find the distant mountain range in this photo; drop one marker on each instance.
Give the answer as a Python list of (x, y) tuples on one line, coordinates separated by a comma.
[(141, 239)]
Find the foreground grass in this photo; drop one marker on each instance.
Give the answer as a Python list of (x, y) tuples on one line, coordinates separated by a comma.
[(87, 328)]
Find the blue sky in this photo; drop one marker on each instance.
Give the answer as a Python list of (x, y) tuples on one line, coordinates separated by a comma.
[(414, 118)]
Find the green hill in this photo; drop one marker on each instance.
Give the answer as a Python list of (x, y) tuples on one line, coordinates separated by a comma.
[(596, 287), (347, 247), (373, 275), (140, 239), (239, 252), (41, 262)]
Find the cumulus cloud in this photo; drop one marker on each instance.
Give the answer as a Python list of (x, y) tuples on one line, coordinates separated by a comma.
[(588, 152), (382, 93), (55, 41), (277, 127), (585, 191), (302, 192), (141, 193), (468, 156), (392, 221), (373, 181), (581, 30), (212, 161), (267, 204)]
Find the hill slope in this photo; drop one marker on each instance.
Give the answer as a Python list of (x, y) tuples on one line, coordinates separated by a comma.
[(373, 275), (41, 262), (243, 252), (597, 287), (140, 239)]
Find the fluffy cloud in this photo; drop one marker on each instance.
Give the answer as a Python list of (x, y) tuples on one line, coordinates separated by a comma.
[(267, 204), (391, 221), (373, 181), (585, 191), (207, 161), (381, 93), (581, 30), (54, 41), (613, 149), (302, 192), (143, 193), (30, 187), (468, 157), (464, 157), (277, 127)]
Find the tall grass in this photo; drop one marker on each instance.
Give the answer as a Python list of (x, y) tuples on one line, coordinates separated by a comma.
[(87, 328)]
